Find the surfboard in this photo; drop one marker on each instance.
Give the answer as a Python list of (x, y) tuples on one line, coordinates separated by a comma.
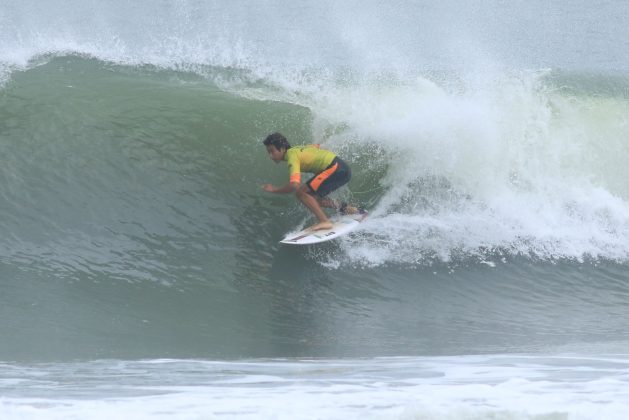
[(341, 226)]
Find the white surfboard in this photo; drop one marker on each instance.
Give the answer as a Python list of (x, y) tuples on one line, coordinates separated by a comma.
[(341, 226)]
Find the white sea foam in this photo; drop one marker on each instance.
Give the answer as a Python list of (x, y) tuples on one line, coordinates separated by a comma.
[(514, 167), (478, 387)]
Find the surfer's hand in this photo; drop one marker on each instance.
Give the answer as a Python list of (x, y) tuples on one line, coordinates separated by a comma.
[(268, 188)]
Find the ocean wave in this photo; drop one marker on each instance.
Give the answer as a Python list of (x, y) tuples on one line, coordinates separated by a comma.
[(520, 166)]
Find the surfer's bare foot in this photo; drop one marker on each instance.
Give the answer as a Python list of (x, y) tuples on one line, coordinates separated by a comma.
[(321, 226)]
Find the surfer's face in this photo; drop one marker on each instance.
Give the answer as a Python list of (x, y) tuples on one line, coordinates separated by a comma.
[(276, 155)]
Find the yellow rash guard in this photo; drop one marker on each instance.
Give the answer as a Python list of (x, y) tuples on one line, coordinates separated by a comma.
[(307, 159)]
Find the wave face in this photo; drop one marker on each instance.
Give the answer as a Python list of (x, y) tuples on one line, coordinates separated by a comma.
[(462, 145), (491, 154)]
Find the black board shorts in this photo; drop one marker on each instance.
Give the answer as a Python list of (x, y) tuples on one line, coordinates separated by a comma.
[(330, 179)]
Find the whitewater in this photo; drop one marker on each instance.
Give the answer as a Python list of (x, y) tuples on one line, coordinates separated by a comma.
[(140, 269)]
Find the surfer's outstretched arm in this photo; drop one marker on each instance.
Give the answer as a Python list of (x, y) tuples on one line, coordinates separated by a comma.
[(285, 189)]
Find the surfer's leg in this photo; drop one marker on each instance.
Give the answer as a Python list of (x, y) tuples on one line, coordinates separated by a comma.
[(345, 208), (311, 202), (342, 207), (322, 184), (328, 203), (314, 193)]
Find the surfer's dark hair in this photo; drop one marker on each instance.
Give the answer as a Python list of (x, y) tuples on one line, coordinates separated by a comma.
[(277, 140)]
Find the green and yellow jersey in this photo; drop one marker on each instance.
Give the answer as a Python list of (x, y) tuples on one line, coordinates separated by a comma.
[(307, 159)]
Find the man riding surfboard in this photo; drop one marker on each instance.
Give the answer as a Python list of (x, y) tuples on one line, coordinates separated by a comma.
[(330, 173)]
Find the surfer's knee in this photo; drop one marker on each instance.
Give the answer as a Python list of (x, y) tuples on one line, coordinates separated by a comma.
[(302, 191)]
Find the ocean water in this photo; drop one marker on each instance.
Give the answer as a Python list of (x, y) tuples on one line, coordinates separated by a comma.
[(140, 270)]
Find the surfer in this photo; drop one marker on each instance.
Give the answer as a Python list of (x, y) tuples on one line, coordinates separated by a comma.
[(330, 173)]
